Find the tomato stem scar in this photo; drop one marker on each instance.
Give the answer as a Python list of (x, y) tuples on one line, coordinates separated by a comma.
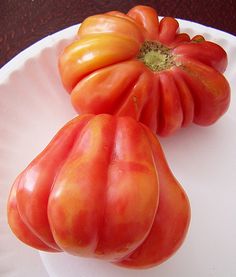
[(156, 56)]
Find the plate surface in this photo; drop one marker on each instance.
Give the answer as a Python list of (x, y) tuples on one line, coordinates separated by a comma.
[(34, 105)]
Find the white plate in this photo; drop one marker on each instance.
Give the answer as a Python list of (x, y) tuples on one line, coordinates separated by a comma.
[(33, 106)]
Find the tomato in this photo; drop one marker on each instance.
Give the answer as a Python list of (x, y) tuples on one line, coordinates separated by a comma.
[(135, 65), (101, 188)]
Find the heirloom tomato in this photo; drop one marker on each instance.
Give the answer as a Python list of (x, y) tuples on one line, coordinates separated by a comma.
[(135, 65), (101, 188)]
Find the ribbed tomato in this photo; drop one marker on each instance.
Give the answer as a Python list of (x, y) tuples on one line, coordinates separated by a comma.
[(137, 66), (101, 188)]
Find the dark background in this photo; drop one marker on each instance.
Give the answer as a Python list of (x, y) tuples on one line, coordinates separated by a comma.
[(23, 22)]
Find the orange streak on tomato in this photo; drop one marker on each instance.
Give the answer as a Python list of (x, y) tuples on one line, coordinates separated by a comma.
[(35, 182), (78, 192), (210, 90), (132, 178), (171, 222), (93, 197), (94, 52), (111, 24)]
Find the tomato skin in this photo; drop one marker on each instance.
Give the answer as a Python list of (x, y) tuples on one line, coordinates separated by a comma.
[(147, 18), (209, 90), (19, 228), (112, 85), (165, 236), (96, 191), (92, 55), (113, 24), (206, 52), (114, 41), (32, 187)]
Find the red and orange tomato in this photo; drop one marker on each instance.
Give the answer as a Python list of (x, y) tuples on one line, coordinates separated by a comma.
[(135, 65), (101, 188)]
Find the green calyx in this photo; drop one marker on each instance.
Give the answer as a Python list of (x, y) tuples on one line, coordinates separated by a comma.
[(156, 56)]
